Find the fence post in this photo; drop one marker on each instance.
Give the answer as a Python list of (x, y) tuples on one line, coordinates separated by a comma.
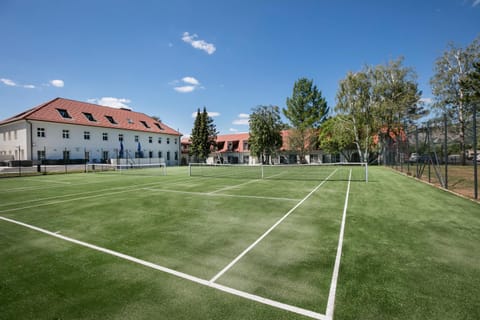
[(445, 146), (475, 153)]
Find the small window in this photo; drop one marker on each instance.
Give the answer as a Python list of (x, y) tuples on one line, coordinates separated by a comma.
[(168, 140), (176, 155), (136, 138), (160, 154), (105, 136), (86, 135), (64, 113), (120, 137), (150, 139), (66, 134), (160, 140), (150, 154), (89, 116), (144, 124), (40, 133), (158, 126), (110, 118), (168, 155), (41, 154), (130, 121), (175, 140)]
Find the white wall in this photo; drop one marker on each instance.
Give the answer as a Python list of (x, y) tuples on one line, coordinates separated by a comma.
[(17, 134)]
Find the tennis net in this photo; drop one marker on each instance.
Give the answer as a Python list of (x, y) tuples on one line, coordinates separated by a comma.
[(334, 171), (151, 169)]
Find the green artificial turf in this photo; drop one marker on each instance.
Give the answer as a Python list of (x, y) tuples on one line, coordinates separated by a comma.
[(410, 251)]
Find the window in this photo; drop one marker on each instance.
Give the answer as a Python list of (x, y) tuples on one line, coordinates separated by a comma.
[(144, 124), (168, 140), (111, 120), (105, 136), (150, 139), (120, 137), (66, 155), (160, 154), (168, 155), (175, 140), (5, 136), (104, 156), (15, 135), (64, 113), (89, 116), (86, 135), (158, 126), (41, 154), (176, 155), (130, 121), (150, 154), (136, 138), (160, 140), (66, 134), (87, 156), (40, 133)]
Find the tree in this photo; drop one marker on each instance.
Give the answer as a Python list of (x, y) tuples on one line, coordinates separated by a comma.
[(356, 102), (306, 110), (378, 101), (203, 137), (450, 96), (336, 137), (265, 132)]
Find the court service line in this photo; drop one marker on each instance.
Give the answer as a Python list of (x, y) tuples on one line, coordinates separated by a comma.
[(234, 261), (234, 186), (130, 187), (336, 269), (178, 274), (209, 194)]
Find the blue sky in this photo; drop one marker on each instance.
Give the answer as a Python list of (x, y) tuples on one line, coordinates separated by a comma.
[(168, 58)]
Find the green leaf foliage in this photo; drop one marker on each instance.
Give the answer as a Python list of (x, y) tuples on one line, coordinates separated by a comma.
[(265, 131)]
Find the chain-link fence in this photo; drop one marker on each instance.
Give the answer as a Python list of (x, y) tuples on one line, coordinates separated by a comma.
[(439, 151)]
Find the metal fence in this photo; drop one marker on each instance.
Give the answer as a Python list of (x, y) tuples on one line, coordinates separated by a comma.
[(433, 152)]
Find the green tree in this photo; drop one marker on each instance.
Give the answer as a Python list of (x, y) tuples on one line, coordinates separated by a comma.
[(265, 132), (450, 96), (306, 110), (336, 137), (203, 137)]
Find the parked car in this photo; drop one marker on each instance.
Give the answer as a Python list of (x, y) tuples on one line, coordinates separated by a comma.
[(415, 157)]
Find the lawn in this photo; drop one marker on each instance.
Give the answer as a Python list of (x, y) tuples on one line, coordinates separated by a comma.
[(410, 251)]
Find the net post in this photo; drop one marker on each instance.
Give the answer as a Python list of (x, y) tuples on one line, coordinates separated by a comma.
[(189, 169)]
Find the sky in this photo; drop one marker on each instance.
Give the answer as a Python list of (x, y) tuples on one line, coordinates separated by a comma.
[(169, 58)]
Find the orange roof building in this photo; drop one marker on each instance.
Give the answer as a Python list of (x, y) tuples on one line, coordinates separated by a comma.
[(69, 129)]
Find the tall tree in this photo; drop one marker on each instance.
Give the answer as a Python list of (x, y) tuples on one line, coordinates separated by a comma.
[(265, 132), (336, 137), (356, 101), (450, 96), (306, 110), (203, 137)]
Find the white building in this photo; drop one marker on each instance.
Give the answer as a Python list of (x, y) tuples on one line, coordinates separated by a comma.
[(64, 129)]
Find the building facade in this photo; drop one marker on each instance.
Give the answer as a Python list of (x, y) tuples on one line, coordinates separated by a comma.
[(69, 130)]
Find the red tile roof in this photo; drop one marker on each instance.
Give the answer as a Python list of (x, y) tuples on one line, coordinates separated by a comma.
[(78, 112), (236, 139)]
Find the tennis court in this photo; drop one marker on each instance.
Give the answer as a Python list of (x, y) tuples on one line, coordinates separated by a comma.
[(216, 246)]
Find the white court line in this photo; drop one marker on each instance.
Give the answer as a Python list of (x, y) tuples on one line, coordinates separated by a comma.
[(336, 269), (232, 187), (130, 187), (182, 275), (209, 194), (43, 180), (218, 275)]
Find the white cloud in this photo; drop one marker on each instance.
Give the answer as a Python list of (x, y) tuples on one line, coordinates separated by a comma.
[(198, 44), (112, 102), (29, 86), (184, 89), (8, 82), (476, 3), (428, 100), (242, 119), (210, 114), (233, 130), (57, 83), (189, 84), (191, 80)]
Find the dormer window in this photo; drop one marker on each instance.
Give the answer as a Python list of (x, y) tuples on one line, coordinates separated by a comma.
[(110, 118), (158, 126), (89, 116), (144, 124), (130, 121), (64, 113)]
